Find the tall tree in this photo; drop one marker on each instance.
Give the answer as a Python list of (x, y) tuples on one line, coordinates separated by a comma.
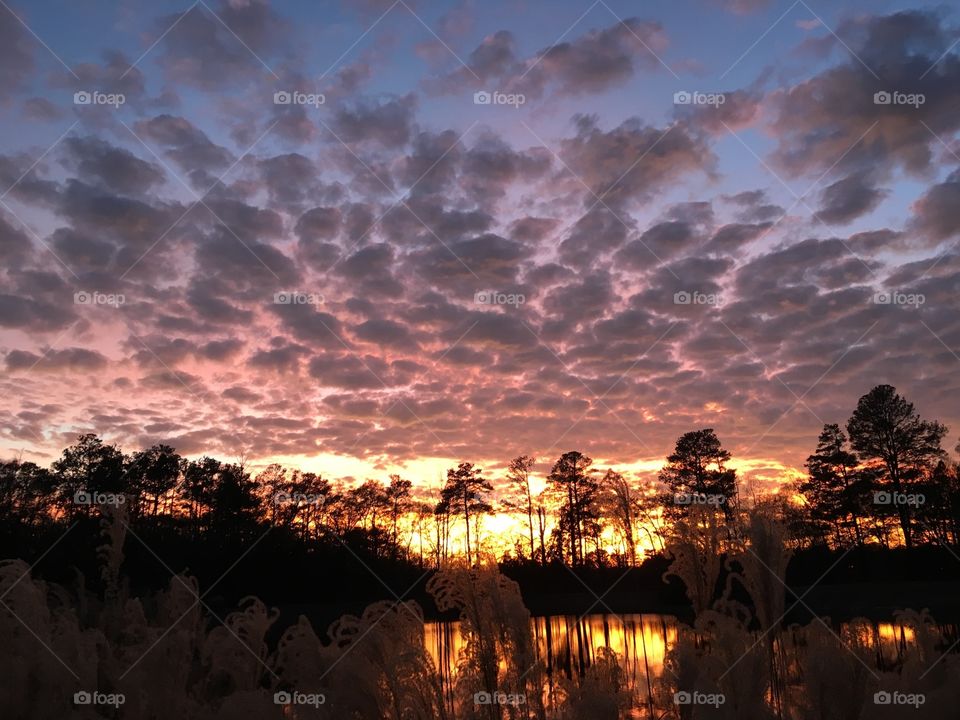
[(833, 488), (886, 430), (466, 494), (623, 505), (89, 466), (197, 487), (441, 523), (519, 496), (370, 504), (155, 472), (274, 487), (398, 505), (27, 491), (541, 510), (697, 466), (576, 493), (234, 500)]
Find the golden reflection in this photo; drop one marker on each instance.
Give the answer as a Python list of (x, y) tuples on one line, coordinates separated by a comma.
[(568, 645)]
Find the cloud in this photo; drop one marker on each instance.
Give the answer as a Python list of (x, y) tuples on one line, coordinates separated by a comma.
[(386, 333), (832, 118), (73, 359), (394, 334), (16, 54), (733, 236), (223, 42), (848, 199), (593, 62), (739, 109), (388, 123), (33, 314), (607, 161), (743, 7), (185, 144), (936, 215), (116, 168), (38, 108), (15, 246)]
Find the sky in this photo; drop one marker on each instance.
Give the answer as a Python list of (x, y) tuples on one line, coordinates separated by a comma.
[(373, 236)]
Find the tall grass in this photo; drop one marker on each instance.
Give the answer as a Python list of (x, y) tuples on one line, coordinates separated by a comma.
[(171, 658)]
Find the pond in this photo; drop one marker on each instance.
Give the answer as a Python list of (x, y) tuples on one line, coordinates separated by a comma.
[(568, 645)]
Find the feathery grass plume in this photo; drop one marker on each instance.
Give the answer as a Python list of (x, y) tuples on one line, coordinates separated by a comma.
[(923, 668), (737, 666), (923, 650), (763, 568), (29, 672), (158, 663), (382, 668), (499, 654), (696, 547), (762, 561), (302, 661), (113, 526), (837, 678), (718, 658), (235, 651), (603, 693)]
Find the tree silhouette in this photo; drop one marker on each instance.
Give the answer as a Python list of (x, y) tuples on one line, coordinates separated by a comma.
[(156, 471), (576, 492), (26, 489), (696, 467), (441, 523), (886, 430), (465, 494), (91, 467), (519, 495), (622, 505), (198, 485), (399, 504), (234, 500), (834, 489)]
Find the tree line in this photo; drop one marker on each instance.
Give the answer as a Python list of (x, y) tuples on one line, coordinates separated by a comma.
[(886, 480)]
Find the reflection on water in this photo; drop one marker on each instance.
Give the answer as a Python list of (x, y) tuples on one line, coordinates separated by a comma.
[(568, 645)]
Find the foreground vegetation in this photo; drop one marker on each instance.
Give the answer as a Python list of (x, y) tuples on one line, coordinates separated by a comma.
[(169, 655), (107, 609)]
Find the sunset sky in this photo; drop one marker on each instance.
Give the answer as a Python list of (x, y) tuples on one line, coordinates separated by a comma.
[(473, 281)]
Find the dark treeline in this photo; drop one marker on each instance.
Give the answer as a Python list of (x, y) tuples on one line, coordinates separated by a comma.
[(885, 482)]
